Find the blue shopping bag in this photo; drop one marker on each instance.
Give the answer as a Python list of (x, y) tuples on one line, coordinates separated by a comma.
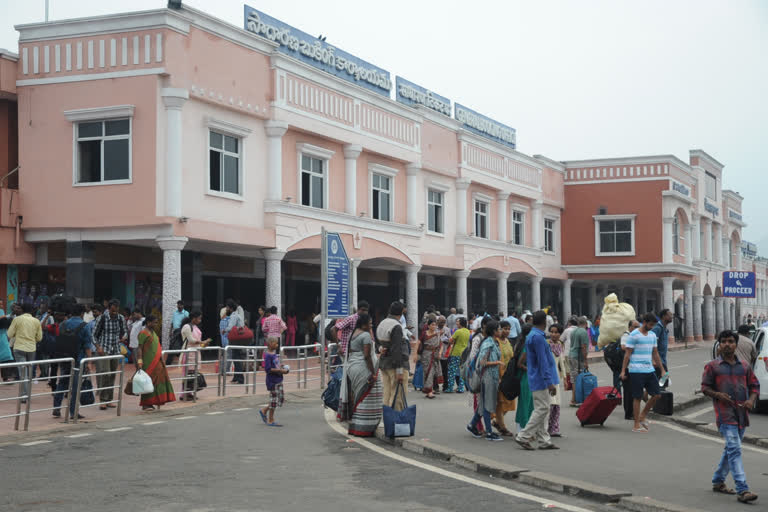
[(418, 377), (399, 423)]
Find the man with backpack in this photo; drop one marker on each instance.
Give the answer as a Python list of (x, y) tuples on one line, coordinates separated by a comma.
[(73, 341)]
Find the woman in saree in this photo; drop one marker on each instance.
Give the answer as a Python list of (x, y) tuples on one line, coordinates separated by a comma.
[(150, 352), (503, 405), (364, 385), (525, 400), (487, 365), (430, 359)]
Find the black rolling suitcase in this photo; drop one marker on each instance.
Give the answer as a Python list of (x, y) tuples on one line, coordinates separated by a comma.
[(665, 404)]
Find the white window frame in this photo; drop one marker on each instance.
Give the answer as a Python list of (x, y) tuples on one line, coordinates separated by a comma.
[(303, 148), (553, 249), (90, 115), (387, 172), (630, 217), (231, 130), (441, 189), (481, 199), (522, 227)]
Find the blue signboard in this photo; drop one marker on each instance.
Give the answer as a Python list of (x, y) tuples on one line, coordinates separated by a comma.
[(739, 284), (311, 50), (411, 94), (485, 126), (337, 276)]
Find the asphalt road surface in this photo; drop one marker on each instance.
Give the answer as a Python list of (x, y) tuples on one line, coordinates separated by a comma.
[(196, 461)]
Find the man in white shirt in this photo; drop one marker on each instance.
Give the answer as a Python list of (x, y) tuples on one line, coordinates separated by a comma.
[(137, 326)]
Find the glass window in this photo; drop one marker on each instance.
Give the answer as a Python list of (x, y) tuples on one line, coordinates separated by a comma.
[(711, 186), (103, 151), (615, 236), (549, 235), (312, 181), (381, 188), (435, 211), (675, 236), (224, 163), (517, 228), (481, 219)]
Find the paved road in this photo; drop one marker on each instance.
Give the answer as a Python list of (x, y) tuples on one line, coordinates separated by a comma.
[(194, 461)]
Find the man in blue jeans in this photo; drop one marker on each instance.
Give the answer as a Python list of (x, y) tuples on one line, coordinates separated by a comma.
[(74, 326), (733, 387)]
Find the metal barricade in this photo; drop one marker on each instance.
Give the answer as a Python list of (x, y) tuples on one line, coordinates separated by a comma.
[(301, 359), (26, 381), (250, 357), (186, 365), (217, 373), (82, 375), (333, 358)]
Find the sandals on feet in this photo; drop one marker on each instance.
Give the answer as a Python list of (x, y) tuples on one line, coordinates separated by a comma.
[(641, 430), (722, 488), (746, 496)]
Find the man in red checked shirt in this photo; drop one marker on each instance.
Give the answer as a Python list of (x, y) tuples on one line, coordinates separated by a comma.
[(273, 326), (733, 387), (344, 328)]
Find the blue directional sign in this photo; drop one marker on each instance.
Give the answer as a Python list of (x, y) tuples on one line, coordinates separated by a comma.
[(338, 276), (739, 284)]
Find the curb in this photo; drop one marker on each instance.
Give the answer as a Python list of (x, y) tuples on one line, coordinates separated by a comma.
[(489, 467)]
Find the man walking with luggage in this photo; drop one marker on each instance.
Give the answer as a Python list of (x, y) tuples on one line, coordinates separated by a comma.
[(543, 381), (733, 387), (640, 357)]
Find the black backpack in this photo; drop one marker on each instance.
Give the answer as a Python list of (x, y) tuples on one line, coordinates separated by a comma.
[(614, 356), (68, 342)]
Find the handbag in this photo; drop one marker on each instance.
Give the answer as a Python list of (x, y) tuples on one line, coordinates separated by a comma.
[(568, 383), (399, 423), (87, 396), (418, 376), (189, 384), (241, 334)]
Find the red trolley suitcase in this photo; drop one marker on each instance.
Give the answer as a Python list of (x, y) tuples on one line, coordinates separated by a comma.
[(598, 405)]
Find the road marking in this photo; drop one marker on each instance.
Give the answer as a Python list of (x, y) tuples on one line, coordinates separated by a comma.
[(214, 413), (717, 440), (154, 422), (698, 413), (676, 367), (75, 436), (118, 429), (243, 409), (33, 443), (186, 417), (330, 418)]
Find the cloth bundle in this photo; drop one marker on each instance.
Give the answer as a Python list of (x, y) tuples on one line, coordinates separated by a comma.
[(614, 320)]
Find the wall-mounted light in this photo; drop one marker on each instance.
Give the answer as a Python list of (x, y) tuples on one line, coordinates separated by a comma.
[(362, 214), (183, 220), (288, 199), (21, 219)]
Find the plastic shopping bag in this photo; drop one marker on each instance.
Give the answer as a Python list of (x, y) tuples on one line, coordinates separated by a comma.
[(614, 320), (142, 383)]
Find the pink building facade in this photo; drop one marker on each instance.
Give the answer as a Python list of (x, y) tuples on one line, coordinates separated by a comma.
[(166, 154)]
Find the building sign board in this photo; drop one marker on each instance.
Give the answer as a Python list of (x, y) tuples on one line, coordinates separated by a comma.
[(336, 276), (485, 126), (739, 284), (311, 50), (411, 94)]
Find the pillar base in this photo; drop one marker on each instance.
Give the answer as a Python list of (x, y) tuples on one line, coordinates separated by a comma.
[(709, 337), (689, 339), (698, 338)]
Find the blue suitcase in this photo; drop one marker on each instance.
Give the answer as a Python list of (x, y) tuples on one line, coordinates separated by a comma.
[(585, 383)]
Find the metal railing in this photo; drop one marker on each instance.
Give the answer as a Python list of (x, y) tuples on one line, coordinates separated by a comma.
[(298, 359), (82, 376), (26, 397), (217, 373), (185, 364), (249, 357)]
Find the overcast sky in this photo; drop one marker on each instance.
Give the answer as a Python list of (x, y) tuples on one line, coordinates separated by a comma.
[(586, 79)]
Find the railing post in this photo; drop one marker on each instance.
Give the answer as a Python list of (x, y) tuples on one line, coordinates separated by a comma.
[(29, 397), (194, 394), (322, 366), (255, 367), (220, 359), (69, 391), (223, 371), (120, 387), (306, 366), (80, 376)]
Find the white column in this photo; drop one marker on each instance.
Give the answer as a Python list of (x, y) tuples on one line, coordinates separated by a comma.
[(734, 318), (274, 291), (719, 314), (708, 249), (737, 257), (535, 293), (567, 308), (636, 298), (174, 100), (275, 131), (537, 228), (351, 152), (667, 239), (412, 294), (696, 239), (355, 262), (643, 301), (592, 300), (502, 200), (415, 209), (171, 247), (501, 291), (725, 253), (689, 244), (667, 295), (709, 317), (688, 311), (716, 246), (698, 329), (461, 290), (462, 184)]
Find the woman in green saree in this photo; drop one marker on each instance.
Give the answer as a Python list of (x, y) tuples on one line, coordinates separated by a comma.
[(149, 350)]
